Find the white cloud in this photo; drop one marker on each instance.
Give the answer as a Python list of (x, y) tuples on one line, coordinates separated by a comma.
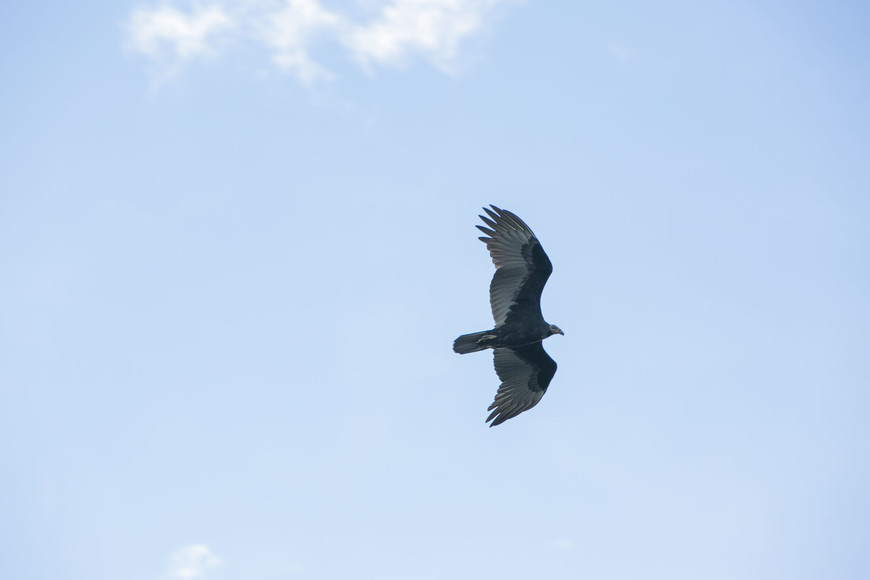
[(290, 29), (193, 561), (431, 27), (164, 29)]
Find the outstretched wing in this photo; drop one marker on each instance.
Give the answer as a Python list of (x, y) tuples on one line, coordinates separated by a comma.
[(522, 266), (525, 373)]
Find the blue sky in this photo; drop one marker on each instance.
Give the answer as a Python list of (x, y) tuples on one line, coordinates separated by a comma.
[(237, 240)]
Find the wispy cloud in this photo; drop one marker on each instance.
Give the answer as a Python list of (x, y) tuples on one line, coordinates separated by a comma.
[(399, 31), (166, 31), (432, 28), (194, 561), (291, 30), (171, 38)]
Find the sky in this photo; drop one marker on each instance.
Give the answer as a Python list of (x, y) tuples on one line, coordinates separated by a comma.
[(237, 241)]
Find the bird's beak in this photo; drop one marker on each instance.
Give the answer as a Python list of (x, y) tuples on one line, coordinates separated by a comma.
[(557, 330)]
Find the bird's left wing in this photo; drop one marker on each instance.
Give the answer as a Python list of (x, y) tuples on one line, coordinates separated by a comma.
[(522, 266), (525, 373)]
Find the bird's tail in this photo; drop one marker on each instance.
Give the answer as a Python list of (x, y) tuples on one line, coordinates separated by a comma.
[(473, 342)]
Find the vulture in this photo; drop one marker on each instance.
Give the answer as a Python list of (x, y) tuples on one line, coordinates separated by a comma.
[(521, 270)]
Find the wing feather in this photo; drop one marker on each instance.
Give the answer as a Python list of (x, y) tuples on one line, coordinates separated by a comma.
[(525, 373), (522, 266)]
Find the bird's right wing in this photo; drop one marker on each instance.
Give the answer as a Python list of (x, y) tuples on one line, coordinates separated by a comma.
[(525, 373), (522, 266)]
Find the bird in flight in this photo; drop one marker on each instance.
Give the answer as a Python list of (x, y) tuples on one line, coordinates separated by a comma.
[(521, 270)]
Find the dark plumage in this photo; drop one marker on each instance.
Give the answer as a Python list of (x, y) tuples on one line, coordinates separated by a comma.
[(522, 269)]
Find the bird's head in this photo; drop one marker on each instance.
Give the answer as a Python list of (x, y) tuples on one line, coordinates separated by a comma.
[(555, 330)]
